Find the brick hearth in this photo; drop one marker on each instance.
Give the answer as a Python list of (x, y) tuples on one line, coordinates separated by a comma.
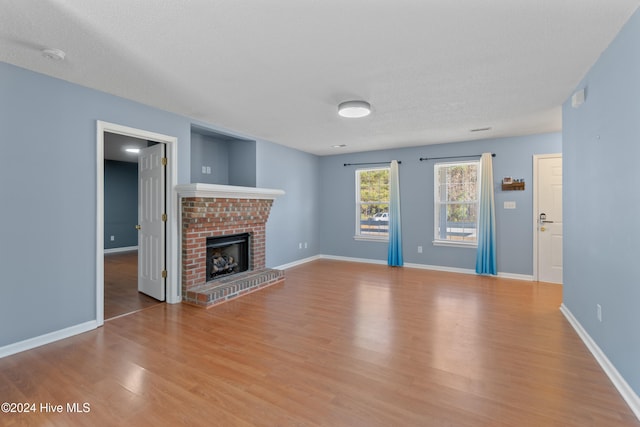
[(218, 210)]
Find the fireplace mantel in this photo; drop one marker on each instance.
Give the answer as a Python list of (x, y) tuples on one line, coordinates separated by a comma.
[(217, 191)]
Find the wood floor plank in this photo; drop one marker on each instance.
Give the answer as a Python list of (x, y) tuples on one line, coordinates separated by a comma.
[(337, 344), (121, 294)]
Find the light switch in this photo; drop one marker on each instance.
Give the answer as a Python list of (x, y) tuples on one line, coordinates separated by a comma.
[(509, 205), (204, 169)]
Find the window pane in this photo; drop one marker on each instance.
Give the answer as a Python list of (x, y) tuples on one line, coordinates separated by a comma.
[(374, 185), (461, 213), (371, 210), (374, 219), (372, 202), (461, 183), (456, 201)]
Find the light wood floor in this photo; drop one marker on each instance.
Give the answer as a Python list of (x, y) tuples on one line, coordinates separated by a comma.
[(121, 294), (337, 344)]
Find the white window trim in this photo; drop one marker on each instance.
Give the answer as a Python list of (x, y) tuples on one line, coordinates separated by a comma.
[(371, 238), (358, 236), (453, 243)]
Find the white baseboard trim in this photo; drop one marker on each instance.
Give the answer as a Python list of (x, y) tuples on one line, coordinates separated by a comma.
[(440, 268), (297, 263), (425, 267), (30, 343), (125, 249), (350, 259), (632, 399), (525, 277)]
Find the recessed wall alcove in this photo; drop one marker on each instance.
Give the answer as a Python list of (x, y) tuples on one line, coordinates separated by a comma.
[(222, 159)]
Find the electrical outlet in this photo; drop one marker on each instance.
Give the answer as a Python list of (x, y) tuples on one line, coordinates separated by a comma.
[(113, 238), (300, 245), (305, 245), (419, 249), (204, 169), (208, 170), (599, 312)]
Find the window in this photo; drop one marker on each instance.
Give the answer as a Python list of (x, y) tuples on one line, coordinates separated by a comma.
[(372, 203), (456, 195)]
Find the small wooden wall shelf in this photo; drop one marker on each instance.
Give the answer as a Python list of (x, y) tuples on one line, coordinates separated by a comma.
[(514, 186)]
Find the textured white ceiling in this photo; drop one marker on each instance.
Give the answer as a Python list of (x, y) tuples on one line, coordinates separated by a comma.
[(276, 70)]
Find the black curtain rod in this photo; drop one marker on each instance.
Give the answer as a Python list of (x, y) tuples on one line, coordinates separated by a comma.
[(453, 157), (370, 163)]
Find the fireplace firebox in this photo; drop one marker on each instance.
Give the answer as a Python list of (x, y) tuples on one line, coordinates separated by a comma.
[(228, 255)]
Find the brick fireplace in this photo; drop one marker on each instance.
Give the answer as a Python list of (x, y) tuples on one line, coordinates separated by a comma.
[(209, 210)]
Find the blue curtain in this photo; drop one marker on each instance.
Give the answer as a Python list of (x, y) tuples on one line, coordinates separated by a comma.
[(486, 257), (394, 258)]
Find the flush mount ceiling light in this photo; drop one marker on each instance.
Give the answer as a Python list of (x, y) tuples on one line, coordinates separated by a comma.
[(53, 54), (354, 109), (339, 146), (132, 150)]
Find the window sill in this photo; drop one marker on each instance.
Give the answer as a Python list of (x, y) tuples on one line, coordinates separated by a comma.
[(371, 239), (452, 244)]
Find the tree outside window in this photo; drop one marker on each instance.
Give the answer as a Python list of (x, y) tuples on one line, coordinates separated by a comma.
[(456, 202), (372, 203)]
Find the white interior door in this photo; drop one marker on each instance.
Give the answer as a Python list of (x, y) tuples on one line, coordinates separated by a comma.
[(549, 218), (151, 222)]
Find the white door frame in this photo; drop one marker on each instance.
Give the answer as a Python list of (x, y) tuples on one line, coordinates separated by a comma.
[(537, 157), (171, 142)]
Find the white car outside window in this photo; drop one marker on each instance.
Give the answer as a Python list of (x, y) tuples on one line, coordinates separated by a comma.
[(381, 216)]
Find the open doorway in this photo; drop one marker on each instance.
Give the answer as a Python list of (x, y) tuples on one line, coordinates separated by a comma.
[(123, 191), (126, 257), (121, 295)]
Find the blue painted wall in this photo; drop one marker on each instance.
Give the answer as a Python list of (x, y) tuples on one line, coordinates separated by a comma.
[(514, 157), (294, 217), (242, 163), (48, 129), (211, 152), (232, 162), (120, 204), (602, 202)]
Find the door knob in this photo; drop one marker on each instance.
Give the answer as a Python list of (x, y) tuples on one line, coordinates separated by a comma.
[(138, 227), (543, 219)]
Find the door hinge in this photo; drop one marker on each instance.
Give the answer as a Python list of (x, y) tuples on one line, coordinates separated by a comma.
[(164, 161), (164, 274), (164, 217)]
